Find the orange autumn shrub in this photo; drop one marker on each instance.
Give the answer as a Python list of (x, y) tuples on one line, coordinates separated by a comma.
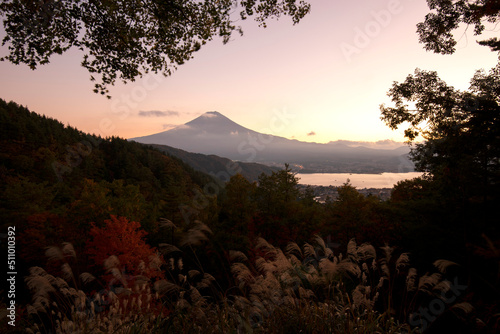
[(125, 240)]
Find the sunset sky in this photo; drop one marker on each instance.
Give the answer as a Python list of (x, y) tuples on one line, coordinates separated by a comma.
[(329, 73)]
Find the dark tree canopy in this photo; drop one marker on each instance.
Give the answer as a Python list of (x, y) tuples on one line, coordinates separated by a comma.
[(435, 110), (461, 128), (436, 32), (126, 39)]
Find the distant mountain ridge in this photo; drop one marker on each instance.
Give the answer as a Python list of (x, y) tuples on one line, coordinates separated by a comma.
[(214, 134)]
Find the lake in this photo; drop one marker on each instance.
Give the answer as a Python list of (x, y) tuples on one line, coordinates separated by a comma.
[(384, 180)]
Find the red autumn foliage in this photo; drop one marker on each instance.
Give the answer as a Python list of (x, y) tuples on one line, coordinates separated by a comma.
[(125, 240)]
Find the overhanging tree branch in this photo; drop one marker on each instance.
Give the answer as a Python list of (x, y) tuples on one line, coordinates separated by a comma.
[(124, 39)]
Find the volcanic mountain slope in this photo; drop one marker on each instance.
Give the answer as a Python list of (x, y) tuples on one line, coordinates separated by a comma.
[(214, 133), (210, 133), (218, 167)]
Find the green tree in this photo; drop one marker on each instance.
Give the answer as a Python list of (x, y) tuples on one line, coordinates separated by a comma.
[(411, 190), (238, 203), (277, 192), (21, 197), (277, 198), (436, 32), (125, 39), (236, 214), (461, 129), (310, 214), (98, 200), (352, 215)]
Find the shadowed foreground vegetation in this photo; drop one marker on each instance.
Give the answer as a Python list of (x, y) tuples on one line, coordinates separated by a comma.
[(307, 289)]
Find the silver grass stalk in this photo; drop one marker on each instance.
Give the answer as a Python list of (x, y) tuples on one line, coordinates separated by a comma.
[(321, 243), (387, 252), (381, 282), (193, 273), (54, 253), (237, 256), (171, 263), (427, 282), (443, 287), (39, 284), (193, 237), (349, 267), (360, 297), (352, 249), (282, 262), (402, 262), (294, 260), (196, 297), (30, 309), (268, 249), (165, 223), (264, 266), (67, 272), (328, 267), (366, 252), (205, 282), (60, 283), (111, 262), (167, 249), (87, 278), (41, 304), (242, 273), (385, 269), (182, 304), (464, 307), (196, 234), (164, 287), (443, 265), (411, 280), (68, 250), (293, 249), (141, 267), (309, 251), (37, 271)]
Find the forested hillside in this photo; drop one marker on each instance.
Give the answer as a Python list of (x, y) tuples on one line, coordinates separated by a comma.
[(55, 180)]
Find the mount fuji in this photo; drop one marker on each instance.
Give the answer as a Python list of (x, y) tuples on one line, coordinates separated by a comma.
[(215, 134)]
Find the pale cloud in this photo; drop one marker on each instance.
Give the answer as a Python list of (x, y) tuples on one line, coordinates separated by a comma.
[(158, 113), (312, 133), (209, 114), (169, 126), (380, 144)]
